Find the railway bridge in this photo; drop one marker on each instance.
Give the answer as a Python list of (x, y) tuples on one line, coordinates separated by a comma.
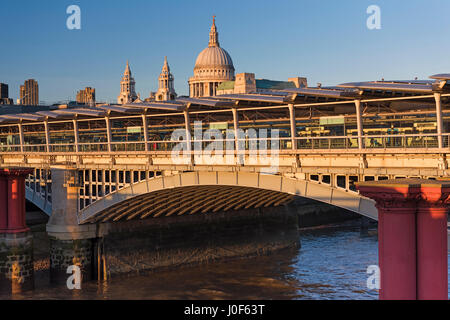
[(94, 167)]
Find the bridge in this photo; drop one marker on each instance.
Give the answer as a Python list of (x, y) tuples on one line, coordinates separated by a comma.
[(115, 163)]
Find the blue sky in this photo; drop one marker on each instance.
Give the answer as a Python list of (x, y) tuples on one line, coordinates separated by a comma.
[(325, 41)]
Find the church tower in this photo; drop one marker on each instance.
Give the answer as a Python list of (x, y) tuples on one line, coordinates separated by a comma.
[(127, 92), (166, 90)]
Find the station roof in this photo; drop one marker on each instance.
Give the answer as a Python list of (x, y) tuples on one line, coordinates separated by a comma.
[(256, 98), (207, 102), (391, 86), (282, 95), (336, 93)]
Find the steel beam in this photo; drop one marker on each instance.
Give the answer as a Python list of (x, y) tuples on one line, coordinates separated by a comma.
[(439, 121), (145, 126), (47, 136), (293, 126), (187, 124), (236, 130), (75, 134), (108, 132), (21, 136), (359, 124)]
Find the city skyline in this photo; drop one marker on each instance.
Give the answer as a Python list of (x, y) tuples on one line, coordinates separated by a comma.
[(295, 42)]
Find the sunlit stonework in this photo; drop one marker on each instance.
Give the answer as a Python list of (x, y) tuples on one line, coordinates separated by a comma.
[(127, 91), (166, 89)]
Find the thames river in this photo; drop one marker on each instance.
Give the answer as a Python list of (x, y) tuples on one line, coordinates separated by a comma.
[(331, 264)]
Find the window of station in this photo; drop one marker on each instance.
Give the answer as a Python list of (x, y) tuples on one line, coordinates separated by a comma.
[(314, 177), (160, 130), (255, 125), (369, 178), (61, 136), (326, 178), (34, 137), (9, 136), (351, 181), (341, 181), (126, 134), (92, 135), (309, 132), (381, 178)]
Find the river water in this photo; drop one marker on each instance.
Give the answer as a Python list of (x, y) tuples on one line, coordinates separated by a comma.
[(331, 264)]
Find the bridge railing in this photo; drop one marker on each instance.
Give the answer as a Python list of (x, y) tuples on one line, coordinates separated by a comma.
[(371, 142)]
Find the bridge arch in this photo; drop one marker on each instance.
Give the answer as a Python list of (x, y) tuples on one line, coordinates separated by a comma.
[(210, 189)]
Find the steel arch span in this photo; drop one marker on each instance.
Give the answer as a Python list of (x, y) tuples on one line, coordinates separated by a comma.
[(193, 192)]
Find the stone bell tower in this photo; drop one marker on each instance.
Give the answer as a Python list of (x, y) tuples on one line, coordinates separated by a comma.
[(166, 90), (127, 92)]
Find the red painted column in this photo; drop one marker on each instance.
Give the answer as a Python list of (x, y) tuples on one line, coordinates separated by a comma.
[(15, 202), (396, 239), (432, 263), (412, 231), (3, 204)]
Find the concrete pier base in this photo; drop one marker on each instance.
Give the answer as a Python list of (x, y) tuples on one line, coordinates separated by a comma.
[(65, 253), (16, 262)]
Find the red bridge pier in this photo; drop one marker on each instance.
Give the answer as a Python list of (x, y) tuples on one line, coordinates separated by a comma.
[(16, 242), (412, 237)]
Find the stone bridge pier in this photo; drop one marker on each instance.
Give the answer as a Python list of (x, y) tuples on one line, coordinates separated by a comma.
[(70, 243)]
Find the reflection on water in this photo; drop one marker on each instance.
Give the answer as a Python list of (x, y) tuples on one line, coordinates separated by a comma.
[(331, 264)]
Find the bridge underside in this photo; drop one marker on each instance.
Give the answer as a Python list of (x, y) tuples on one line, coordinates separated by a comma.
[(203, 192), (191, 200)]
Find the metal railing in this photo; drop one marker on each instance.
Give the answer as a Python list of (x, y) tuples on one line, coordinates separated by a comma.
[(370, 142)]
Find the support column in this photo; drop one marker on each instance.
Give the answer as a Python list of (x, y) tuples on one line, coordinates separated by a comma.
[(412, 235), (361, 143), (47, 137), (13, 205), (75, 134), (3, 204), (432, 263), (21, 136), (239, 158), (145, 127), (16, 242), (293, 126), (396, 240), (108, 132), (440, 124), (187, 125), (359, 124), (70, 243)]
